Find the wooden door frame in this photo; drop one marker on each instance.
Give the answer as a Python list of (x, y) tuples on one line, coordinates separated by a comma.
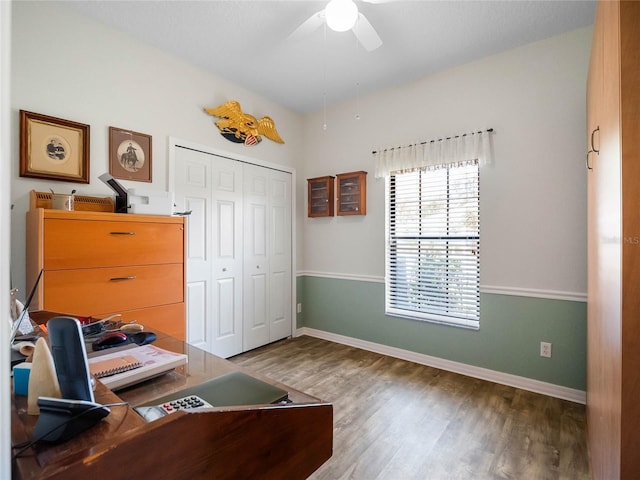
[(6, 136)]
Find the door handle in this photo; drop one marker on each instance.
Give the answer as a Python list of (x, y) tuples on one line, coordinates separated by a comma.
[(593, 147), (122, 233)]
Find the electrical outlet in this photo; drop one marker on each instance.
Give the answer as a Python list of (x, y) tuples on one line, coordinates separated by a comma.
[(545, 349), (299, 308)]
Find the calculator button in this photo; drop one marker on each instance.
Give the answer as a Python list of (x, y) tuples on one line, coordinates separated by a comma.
[(184, 403)]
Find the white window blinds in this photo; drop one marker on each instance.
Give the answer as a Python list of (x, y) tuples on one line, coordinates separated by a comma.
[(433, 244)]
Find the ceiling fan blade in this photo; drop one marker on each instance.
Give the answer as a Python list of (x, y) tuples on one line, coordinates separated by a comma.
[(366, 34), (310, 25)]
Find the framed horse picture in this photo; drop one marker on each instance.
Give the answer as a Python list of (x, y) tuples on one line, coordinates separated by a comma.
[(129, 155)]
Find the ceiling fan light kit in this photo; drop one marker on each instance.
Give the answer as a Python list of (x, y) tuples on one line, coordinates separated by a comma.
[(341, 15)]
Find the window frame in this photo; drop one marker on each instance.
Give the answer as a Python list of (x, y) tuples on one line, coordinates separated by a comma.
[(391, 307)]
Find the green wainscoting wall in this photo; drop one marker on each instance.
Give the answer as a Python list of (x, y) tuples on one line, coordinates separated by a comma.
[(511, 329)]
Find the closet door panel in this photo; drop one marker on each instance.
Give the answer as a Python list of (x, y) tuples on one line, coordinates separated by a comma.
[(227, 274), (256, 328), (197, 278), (226, 326), (256, 232), (280, 277), (211, 188), (280, 308), (226, 338), (197, 308), (193, 192), (256, 260)]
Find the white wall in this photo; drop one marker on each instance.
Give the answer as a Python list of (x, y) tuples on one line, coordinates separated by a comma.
[(68, 66), (533, 199)]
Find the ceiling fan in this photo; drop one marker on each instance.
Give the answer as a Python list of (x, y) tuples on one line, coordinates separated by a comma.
[(340, 16)]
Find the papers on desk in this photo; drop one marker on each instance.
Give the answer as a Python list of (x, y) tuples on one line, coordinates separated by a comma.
[(153, 361)]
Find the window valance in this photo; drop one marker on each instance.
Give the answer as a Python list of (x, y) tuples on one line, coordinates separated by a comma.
[(460, 149)]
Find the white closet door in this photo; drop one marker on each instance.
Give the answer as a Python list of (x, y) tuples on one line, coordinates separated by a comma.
[(267, 256), (226, 338), (193, 192), (239, 251), (256, 257), (280, 255), (211, 187)]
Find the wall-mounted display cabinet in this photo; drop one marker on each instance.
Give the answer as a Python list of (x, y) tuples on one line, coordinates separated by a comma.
[(320, 197), (352, 193)]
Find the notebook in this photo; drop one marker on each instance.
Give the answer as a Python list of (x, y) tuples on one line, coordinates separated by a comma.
[(153, 361), (112, 366)]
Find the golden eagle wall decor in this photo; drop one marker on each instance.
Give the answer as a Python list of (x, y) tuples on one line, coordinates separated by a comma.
[(239, 127)]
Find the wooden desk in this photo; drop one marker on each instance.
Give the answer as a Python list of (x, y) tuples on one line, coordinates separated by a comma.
[(261, 441)]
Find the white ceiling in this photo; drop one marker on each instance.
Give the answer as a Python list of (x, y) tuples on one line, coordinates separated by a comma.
[(246, 41)]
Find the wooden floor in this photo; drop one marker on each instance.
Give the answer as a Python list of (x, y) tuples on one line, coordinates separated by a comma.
[(398, 420)]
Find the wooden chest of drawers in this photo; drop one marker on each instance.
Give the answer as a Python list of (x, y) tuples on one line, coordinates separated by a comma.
[(98, 263)]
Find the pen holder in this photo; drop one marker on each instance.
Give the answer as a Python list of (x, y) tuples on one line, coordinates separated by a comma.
[(62, 201)]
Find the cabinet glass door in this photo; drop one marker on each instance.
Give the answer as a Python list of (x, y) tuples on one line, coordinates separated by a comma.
[(352, 193), (320, 197)]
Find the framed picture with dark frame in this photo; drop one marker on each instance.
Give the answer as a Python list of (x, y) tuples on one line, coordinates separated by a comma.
[(53, 148), (129, 155)]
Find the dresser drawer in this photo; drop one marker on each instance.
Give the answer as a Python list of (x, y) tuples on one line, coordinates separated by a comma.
[(70, 244), (100, 290)]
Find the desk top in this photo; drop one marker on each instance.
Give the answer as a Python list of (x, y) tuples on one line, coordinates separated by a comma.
[(201, 366), (123, 424)]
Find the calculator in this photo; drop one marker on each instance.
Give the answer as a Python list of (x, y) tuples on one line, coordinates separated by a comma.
[(190, 403)]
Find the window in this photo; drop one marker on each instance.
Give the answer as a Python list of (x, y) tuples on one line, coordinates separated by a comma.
[(433, 245)]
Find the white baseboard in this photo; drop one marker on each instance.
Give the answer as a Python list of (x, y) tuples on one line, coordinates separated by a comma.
[(564, 393)]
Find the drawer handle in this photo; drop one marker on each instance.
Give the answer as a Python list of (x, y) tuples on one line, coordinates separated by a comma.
[(123, 233), (119, 279)]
